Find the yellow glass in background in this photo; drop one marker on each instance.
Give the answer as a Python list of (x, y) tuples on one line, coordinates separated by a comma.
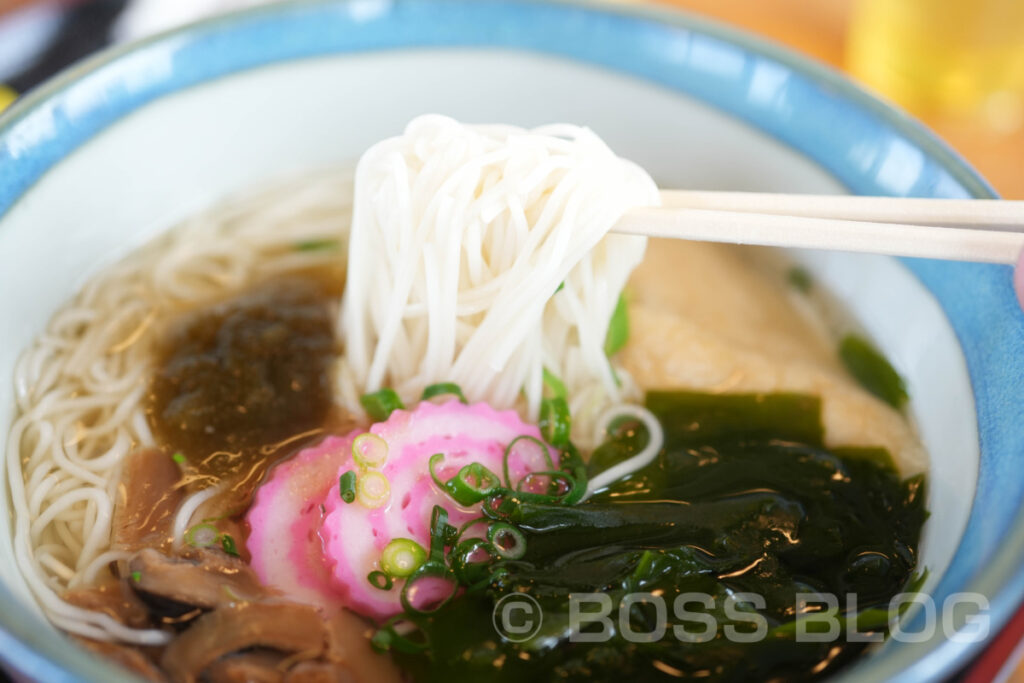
[(7, 96), (948, 58), (888, 33)]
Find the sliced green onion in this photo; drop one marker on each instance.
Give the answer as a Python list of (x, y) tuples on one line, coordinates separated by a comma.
[(500, 534), (388, 638), (373, 489), (179, 458), (402, 557), (429, 570), (432, 464), (317, 245), (500, 504), (438, 533), (618, 327), (380, 404), (369, 450), (136, 576), (554, 385), (380, 580), (471, 571), (470, 485), (443, 389), (202, 536), (347, 486), (615, 374), (561, 286), (572, 462), (450, 534), (556, 478), (381, 640), (546, 465), (473, 483), (228, 545), (483, 519), (555, 423), (501, 571), (871, 369), (800, 279)]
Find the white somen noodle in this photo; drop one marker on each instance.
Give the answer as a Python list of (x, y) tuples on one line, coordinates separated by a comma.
[(481, 255), (80, 387)]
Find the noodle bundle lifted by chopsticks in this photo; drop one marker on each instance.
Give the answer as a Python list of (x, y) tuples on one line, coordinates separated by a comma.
[(480, 255)]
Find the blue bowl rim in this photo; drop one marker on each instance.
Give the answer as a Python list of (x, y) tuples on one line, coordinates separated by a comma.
[(1002, 580)]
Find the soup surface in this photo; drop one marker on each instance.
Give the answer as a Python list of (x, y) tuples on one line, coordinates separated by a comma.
[(216, 486), (752, 505)]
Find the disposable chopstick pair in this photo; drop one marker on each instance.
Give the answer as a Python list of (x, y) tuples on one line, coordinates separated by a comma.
[(981, 230)]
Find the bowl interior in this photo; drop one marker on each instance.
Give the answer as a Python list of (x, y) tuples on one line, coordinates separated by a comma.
[(224, 136)]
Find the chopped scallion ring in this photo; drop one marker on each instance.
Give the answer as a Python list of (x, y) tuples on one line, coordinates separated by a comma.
[(202, 536), (317, 244), (380, 404), (442, 389), (432, 465), (473, 483), (508, 541), (227, 544), (373, 489), (429, 570), (380, 580), (555, 423), (522, 445), (347, 486), (394, 635), (554, 385), (438, 533), (401, 557), (618, 327), (558, 486), (369, 450), (468, 565)]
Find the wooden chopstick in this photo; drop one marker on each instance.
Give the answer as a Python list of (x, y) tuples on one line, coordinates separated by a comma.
[(999, 214), (989, 231)]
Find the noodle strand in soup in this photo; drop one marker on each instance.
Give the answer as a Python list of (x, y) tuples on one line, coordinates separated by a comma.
[(80, 387)]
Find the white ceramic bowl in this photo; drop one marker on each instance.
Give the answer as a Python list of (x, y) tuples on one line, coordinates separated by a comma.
[(114, 151)]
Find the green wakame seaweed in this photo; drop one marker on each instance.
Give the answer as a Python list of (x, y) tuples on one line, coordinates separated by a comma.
[(743, 499)]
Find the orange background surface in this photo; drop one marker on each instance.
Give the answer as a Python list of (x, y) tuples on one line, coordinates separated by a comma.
[(818, 28)]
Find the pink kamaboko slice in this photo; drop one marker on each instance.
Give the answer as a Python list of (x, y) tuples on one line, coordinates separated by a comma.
[(285, 520), (352, 536)]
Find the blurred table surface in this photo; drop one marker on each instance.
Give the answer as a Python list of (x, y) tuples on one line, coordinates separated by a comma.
[(818, 28)]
